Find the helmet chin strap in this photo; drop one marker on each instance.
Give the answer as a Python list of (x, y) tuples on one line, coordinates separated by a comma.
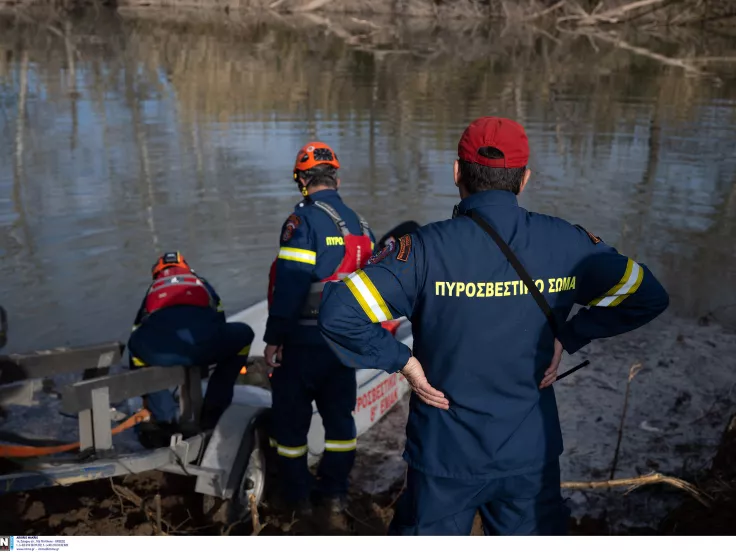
[(303, 185)]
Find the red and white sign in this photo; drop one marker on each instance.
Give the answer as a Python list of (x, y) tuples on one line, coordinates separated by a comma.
[(376, 397)]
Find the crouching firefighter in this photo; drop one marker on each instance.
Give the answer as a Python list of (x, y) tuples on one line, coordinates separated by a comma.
[(322, 240), (181, 322)]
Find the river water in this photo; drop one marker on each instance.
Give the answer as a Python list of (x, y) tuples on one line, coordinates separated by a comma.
[(125, 135)]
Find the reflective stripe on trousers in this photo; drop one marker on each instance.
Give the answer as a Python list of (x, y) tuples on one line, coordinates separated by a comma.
[(288, 452), (341, 446), (330, 446)]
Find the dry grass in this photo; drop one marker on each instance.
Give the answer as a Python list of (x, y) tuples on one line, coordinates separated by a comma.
[(634, 483), (561, 12)]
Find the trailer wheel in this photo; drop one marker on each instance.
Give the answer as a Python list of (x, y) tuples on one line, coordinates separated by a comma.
[(252, 482)]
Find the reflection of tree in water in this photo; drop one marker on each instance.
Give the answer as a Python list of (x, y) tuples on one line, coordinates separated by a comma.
[(192, 105), (133, 100)]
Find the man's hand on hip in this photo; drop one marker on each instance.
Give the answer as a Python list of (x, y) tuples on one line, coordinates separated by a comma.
[(414, 374), (272, 355), (550, 375)]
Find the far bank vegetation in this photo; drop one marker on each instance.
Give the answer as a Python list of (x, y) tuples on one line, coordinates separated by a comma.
[(561, 12)]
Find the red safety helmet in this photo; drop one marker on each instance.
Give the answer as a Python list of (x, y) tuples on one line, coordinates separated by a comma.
[(313, 154), (169, 260)]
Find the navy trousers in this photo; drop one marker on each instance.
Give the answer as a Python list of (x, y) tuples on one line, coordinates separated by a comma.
[(313, 373), (190, 338), (528, 504)]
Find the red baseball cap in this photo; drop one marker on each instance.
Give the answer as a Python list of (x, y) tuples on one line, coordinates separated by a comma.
[(503, 134)]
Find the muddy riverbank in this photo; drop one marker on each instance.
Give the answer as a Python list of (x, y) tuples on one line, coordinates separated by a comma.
[(679, 405)]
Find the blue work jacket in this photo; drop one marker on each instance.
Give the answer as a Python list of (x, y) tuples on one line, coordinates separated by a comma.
[(310, 249), (478, 333)]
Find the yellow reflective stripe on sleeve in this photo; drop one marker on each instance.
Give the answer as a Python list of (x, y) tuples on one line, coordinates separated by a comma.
[(623, 294), (298, 255), (272, 442), (368, 297), (291, 452), (244, 351), (138, 362), (341, 446), (135, 327), (628, 285)]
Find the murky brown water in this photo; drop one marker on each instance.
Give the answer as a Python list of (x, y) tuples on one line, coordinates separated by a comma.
[(124, 136)]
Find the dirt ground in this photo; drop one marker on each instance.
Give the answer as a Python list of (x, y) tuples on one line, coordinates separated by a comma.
[(127, 506), (677, 423), (692, 518)]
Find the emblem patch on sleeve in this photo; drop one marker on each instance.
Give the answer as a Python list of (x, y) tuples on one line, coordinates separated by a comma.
[(595, 239), (382, 254), (404, 248), (291, 224)]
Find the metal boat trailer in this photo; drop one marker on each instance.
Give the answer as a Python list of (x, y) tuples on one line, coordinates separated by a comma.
[(229, 463)]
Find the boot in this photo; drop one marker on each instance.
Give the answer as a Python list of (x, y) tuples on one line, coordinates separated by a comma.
[(334, 508), (154, 435), (303, 509)]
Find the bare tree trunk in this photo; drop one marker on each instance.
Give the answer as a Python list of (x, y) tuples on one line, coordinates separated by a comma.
[(19, 129), (18, 157), (71, 81)]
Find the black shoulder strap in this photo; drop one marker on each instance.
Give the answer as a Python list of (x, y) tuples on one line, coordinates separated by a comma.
[(520, 270)]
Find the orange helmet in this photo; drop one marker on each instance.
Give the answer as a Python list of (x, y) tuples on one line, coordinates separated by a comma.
[(313, 154), (168, 260)]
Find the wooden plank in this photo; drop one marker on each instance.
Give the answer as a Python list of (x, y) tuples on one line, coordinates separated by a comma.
[(133, 383), (101, 422), (40, 364), (86, 435)]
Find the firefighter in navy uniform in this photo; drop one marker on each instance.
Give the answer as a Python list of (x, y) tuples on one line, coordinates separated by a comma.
[(483, 432), (182, 322), (322, 240)]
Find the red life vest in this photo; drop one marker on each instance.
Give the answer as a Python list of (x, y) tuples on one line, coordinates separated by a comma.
[(177, 286), (271, 282)]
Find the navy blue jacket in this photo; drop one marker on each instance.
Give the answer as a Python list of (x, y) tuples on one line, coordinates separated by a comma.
[(480, 336), (180, 328), (310, 250)]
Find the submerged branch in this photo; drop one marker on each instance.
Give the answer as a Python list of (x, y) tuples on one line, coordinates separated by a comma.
[(547, 11), (618, 42)]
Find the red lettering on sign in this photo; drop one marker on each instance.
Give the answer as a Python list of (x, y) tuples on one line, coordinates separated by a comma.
[(389, 401), (376, 393)]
